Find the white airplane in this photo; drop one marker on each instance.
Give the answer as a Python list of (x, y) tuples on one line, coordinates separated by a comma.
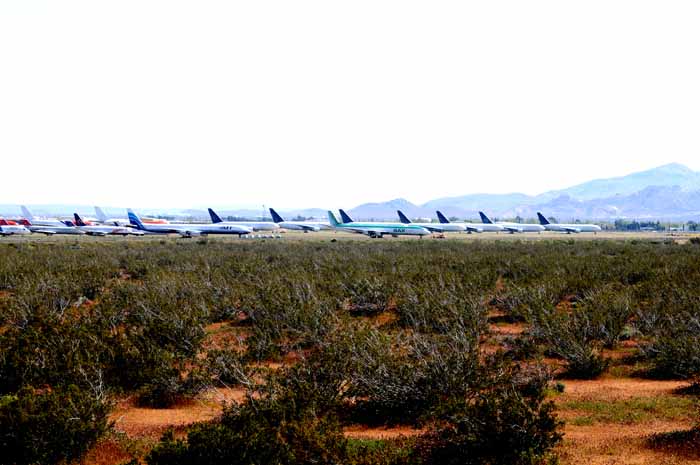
[(567, 228), (102, 218), (477, 227), (104, 229), (41, 221), (376, 230), (305, 226), (50, 230), (436, 227), (186, 229), (513, 227), (254, 225), (7, 229)]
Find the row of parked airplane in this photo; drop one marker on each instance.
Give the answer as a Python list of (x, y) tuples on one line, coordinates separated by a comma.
[(135, 225), (408, 228)]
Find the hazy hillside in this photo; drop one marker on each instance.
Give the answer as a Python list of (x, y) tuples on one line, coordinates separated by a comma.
[(668, 192), (673, 174)]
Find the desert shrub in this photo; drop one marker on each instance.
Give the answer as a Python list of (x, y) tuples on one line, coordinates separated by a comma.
[(572, 337), (290, 423), (609, 310), (399, 383), (286, 317), (227, 367), (382, 452), (51, 425), (675, 352), (507, 424), (367, 295), (439, 307)]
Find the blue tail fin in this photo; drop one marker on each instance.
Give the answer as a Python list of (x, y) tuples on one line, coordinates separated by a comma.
[(275, 216), (442, 218), (78, 220), (543, 220), (332, 219), (404, 219), (485, 219), (135, 220), (345, 217), (214, 217)]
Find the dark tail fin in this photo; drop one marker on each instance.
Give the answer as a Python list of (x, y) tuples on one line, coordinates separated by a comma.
[(275, 216), (543, 220), (404, 219), (442, 218), (214, 217), (345, 217), (3, 222), (485, 219), (78, 220), (25, 222)]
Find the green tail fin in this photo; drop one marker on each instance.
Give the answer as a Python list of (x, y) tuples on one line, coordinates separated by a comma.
[(331, 219)]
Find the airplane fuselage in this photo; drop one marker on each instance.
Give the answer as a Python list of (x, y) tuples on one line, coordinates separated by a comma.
[(381, 229), (13, 230), (572, 228)]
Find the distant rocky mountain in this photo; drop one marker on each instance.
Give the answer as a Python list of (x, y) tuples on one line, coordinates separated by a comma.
[(670, 192), (670, 175)]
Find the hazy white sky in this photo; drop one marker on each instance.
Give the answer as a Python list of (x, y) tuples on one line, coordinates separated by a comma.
[(330, 104)]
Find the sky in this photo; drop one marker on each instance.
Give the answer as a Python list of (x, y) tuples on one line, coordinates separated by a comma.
[(332, 104)]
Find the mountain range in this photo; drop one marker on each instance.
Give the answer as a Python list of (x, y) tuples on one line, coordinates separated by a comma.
[(669, 192)]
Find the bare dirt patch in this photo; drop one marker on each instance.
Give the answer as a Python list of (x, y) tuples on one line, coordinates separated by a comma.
[(615, 444), (140, 422), (365, 432), (618, 388)]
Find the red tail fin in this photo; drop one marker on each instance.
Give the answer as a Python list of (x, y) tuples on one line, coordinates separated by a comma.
[(3, 222), (24, 222)]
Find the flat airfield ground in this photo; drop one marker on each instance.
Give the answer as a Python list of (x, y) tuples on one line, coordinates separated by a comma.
[(326, 235)]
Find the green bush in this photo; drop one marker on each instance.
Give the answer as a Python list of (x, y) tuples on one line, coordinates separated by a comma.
[(50, 426)]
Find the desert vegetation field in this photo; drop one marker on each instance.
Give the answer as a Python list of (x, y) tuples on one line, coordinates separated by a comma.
[(349, 352)]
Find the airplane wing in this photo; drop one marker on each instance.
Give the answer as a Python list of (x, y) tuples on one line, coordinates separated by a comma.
[(475, 229), (513, 229), (45, 231), (572, 230)]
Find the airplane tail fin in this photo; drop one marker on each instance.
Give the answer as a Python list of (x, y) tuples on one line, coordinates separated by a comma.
[(100, 215), (78, 220), (543, 220), (404, 219), (68, 223), (442, 217), (485, 219), (3, 222), (134, 219), (214, 217), (344, 216), (25, 222), (332, 219), (275, 216), (27, 214)]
